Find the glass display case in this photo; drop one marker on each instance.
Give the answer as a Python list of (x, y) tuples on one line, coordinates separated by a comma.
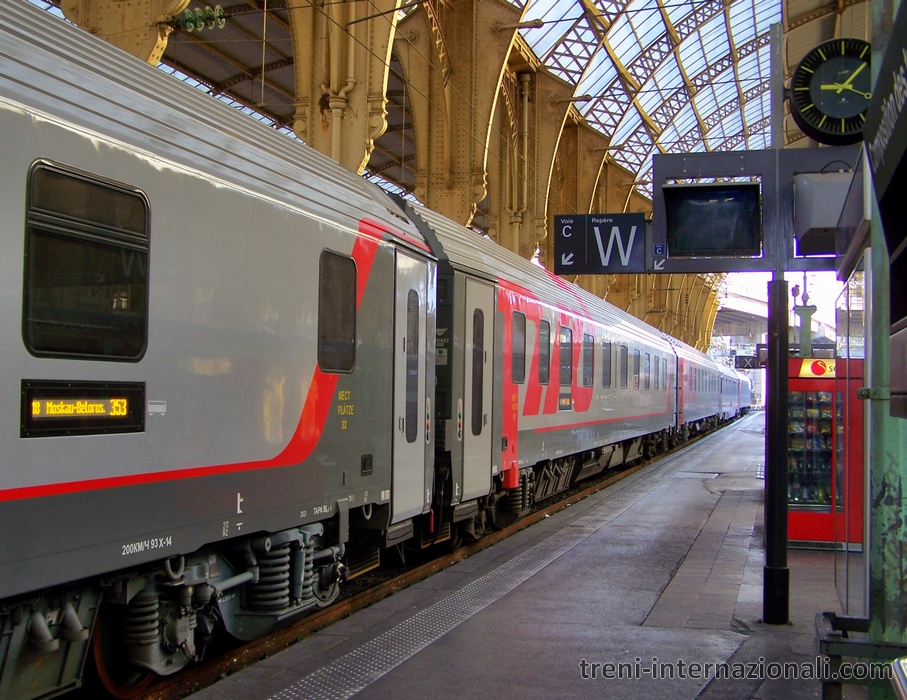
[(812, 441), (825, 468)]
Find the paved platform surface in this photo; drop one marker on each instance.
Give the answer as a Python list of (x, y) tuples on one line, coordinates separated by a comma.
[(645, 579)]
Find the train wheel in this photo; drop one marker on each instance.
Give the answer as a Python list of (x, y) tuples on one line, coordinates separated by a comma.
[(455, 541), (109, 670)]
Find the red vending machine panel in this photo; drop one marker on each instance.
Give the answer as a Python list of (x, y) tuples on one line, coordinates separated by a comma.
[(822, 497)]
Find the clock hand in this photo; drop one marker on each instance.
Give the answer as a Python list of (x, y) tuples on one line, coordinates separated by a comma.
[(839, 88), (852, 76), (865, 95)]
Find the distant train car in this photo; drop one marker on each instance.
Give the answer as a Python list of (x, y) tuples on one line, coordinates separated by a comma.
[(745, 393), (243, 372), (579, 386)]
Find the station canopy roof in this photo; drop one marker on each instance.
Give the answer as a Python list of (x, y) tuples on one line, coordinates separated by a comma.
[(670, 76), (662, 76)]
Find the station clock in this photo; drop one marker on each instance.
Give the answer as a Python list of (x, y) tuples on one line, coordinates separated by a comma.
[(830, 91)]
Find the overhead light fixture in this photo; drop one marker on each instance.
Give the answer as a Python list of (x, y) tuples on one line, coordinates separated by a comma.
[(577, 98), (497, 27), (619, 147)]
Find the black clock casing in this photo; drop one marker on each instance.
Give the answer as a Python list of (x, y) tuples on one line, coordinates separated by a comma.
[(830, 91)]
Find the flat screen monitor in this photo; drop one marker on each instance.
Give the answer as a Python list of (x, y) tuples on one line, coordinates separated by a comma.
[(715, 220)]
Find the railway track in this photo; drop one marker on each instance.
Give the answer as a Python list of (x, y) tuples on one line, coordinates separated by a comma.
[(227, 663)]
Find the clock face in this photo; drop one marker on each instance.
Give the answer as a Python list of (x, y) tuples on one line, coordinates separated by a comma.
[(830, 91)]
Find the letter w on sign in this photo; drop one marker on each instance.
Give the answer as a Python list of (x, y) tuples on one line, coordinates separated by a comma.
[(624, 253)]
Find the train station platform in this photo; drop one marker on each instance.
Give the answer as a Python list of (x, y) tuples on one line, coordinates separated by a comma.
[(648, 582)]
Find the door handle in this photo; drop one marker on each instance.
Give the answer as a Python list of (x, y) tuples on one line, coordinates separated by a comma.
[(484, 419), (401, 424)]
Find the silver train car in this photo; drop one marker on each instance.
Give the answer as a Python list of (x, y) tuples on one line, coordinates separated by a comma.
[(243, 372)]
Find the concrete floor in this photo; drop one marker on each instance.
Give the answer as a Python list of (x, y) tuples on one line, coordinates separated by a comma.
[(664, 567)]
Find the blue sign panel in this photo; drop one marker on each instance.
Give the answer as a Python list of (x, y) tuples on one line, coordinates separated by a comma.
[(595, 244)]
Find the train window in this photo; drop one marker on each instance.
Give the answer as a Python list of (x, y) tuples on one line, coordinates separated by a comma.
[(664, 374), (544, 351), (518, 368), (413, 346), (647, 372), (86, 267), (636, 369), (566, 356), (478, 369), (588, 359), (624, 366), (655, 376), (606, 364), (336, 313)]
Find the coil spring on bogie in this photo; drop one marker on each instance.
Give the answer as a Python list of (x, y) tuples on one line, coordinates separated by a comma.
[(513, 501), (272, 592), (141, 620), (518, 500), (308, 574), (524, 488)]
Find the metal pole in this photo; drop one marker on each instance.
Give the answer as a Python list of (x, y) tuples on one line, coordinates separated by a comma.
[(776, 84), (776, 575)]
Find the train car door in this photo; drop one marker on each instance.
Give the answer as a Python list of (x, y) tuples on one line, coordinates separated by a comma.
[(679, 379), (410, 492), (477, 388)]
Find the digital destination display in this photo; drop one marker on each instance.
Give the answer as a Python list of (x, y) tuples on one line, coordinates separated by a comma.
[(83, 408), (60, 408)]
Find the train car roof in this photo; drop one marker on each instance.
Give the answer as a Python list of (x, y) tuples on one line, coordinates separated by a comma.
[(728, 372), (472, 252), (64, 74)]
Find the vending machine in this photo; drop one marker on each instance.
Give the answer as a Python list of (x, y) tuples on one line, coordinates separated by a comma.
[(825, 457)]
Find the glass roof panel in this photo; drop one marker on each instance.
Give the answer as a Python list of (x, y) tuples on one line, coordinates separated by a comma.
[(684, 120), (705, 101), (766, 13), (648, 23), (668, 137), (599, 75), (756, 109), (743, 23), (652, 95), (692, 55), (678, 9), (725, 87), (630, 123), (623, 40), (714, 38), (559, 18)]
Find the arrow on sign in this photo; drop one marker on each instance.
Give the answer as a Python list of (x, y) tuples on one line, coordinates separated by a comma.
[(566, 259), (659, 264)]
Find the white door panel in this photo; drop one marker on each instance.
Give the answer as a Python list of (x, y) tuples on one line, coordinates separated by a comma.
[(410, 309), (477, 389)]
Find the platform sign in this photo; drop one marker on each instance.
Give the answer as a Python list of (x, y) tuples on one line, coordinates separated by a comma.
[(810, 368), (595, 244), (710, 243), (745, 362)]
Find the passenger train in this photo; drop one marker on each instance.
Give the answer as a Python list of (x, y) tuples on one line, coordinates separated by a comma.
[(242, 372)]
